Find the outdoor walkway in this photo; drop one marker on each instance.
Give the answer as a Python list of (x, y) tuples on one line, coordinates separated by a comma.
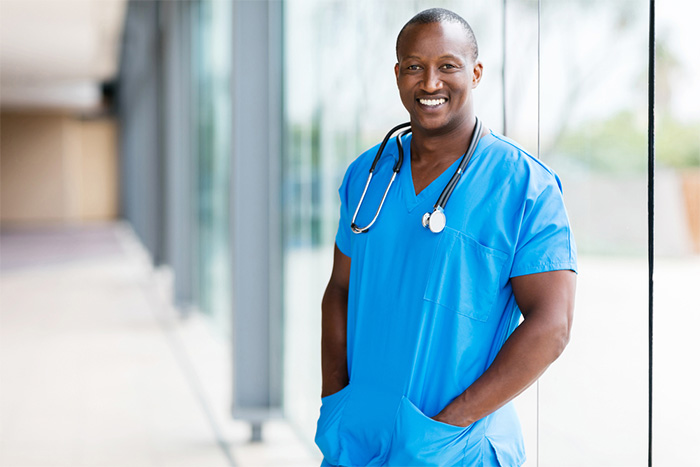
[(97, 370)]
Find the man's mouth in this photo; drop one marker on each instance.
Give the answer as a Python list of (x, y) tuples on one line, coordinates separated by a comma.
[(432, 102)]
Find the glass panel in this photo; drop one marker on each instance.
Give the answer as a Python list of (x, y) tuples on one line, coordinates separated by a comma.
[(593, 400), (521, 125), (677, 265), (213, 77)]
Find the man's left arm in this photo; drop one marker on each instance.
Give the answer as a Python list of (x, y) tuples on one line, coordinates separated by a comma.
[(546, 301)]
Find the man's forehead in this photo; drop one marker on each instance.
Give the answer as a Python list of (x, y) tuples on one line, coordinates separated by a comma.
[(448, 37)]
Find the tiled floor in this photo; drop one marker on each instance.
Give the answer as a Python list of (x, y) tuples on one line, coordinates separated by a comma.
[(97, 370)]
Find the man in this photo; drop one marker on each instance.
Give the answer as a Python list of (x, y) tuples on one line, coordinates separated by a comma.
[(421, 348)]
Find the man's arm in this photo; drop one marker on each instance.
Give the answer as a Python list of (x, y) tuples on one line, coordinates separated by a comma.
[(547, 304), (334, 317)]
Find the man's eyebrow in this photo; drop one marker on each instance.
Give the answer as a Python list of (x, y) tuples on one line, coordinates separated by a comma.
[(450, 56), (441, 57)]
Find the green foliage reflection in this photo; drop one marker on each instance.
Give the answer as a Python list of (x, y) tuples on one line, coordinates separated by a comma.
[(619, 144)]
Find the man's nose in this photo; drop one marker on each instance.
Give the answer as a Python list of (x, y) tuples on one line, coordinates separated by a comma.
[(432, 81)]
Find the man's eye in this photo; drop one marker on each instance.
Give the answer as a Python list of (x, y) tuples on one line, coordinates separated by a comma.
[(448, 66), (413, 67)]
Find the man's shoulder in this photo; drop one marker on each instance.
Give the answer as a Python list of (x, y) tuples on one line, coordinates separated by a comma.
[(513, 153), (512, 158)]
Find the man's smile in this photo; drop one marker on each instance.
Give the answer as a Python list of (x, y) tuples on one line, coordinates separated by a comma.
[(432, 102)]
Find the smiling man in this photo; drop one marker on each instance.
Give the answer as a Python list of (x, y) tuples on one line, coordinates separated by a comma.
[(422, 350)]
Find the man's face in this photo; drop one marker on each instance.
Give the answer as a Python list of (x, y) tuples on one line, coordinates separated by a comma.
[(435, 75)]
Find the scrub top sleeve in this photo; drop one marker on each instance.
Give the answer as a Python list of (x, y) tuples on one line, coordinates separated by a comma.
[(344, 235), (545, 242)]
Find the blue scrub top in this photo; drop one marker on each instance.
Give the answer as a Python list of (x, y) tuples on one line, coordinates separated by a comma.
[(427, 313)]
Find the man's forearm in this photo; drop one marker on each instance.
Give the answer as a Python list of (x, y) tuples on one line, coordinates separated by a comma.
[(333, 340), (547, 304), (526, 354)]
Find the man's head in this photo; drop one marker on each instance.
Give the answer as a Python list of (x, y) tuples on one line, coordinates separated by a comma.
[(436, 72), (441, 15)]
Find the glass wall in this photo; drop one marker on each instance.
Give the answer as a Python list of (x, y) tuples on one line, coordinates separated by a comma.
[(677, 264), (212, 61), (178, 154), (568, 81), (175, 106), (593, 115)]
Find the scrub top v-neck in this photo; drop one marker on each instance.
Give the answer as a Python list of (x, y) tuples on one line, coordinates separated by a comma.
[(427, 312), (434, 188)]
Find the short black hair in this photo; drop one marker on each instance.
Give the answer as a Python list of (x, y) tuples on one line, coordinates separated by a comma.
[(441, 15)]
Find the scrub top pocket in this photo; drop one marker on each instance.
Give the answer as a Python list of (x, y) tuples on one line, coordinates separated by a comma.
[(455, 279), (418, 440), (327, 438)]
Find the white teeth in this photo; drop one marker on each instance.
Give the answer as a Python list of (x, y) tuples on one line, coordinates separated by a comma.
[(431, 102)]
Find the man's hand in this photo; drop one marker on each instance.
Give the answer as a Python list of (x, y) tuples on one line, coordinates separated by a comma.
[(546, 301), (452, 416), (334, 311)]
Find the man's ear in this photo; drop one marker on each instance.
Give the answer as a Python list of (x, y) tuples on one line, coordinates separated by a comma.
[(476, 74), (396, 72)]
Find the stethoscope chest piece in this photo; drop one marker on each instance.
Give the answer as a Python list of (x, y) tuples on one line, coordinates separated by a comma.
[(435, 221)]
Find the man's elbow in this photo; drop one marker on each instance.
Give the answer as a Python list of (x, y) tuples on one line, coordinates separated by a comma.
[(560, 334), (562, 337)]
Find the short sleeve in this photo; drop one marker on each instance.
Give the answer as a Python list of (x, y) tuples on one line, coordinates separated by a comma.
[(343, 237), (545, 242)]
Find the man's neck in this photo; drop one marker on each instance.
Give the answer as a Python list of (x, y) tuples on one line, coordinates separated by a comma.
[(429, 148), (432, 153)]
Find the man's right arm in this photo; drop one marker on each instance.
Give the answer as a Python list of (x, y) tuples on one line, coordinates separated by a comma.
[(334, 317)]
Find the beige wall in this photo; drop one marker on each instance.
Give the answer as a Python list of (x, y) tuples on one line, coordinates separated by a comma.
[(56, 169)]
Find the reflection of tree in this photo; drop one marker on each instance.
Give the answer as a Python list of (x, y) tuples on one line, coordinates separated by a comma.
[(601, 42), (667, 67), (677, 143), (619, 143)]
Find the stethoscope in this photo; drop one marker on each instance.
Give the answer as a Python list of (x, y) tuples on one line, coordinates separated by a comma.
[(436, 220)]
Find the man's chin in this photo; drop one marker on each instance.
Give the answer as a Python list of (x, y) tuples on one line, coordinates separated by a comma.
[(428, 120), (430, 125)]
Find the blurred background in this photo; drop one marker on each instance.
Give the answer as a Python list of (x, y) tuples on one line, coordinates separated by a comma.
[(168, 200)]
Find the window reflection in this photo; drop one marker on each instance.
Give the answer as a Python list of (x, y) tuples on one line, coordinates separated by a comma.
[(212, 28), (593, 401), (677, 270)]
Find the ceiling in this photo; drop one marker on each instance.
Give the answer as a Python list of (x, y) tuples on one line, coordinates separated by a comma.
[(55, 54)]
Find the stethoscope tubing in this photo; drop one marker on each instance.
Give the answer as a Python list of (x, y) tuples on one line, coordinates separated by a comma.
[(452, 184), (441, 202), (397, 166), (388, 136)]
